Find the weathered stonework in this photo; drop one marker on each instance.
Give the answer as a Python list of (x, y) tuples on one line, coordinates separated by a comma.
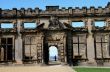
[(87, 45)]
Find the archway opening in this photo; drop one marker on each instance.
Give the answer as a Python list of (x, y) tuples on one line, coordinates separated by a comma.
[(53, 54)]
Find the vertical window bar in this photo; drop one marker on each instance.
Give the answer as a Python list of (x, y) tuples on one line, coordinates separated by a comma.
[(30, 48), (0, 25), (0, 46), (101, 47), (95, 46), (73, 47), (6, 49), (109, 44), (23, 48), (78, 46), (13, 48), (86, 47)]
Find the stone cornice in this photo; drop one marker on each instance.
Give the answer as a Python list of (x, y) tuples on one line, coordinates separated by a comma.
[(55, 10)]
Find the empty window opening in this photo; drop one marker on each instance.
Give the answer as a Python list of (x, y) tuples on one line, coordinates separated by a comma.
[(77, 24), (30, 25), (53, 53), (6, 49), (99, 23), (7, 25), (9, 41), (30, 50)]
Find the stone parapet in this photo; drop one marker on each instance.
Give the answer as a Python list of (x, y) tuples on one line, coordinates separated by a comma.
[(55, 10)]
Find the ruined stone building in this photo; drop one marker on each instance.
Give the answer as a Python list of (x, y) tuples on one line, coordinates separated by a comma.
[(85, 45)]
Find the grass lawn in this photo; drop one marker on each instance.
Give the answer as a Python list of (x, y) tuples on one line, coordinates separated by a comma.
[(92, 69)]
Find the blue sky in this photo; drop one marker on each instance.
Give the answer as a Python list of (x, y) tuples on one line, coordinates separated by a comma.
[(29, 25), (53, 51), (6, 25), (81, 24), (9, 4)]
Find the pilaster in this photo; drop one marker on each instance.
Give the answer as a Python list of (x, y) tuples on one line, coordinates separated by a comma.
[(90, 44), (18, 45)]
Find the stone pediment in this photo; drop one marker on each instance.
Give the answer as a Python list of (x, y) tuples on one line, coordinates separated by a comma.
[(54, 23)]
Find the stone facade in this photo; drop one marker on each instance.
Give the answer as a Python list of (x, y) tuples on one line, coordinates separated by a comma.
[(87, 45)]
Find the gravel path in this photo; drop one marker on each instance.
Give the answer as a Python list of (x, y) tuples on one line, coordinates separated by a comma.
[(55, 68)]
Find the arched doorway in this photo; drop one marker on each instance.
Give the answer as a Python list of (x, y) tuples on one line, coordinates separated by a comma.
[(53, 55)]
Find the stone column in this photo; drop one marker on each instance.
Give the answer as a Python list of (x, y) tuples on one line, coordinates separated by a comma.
[(64, 40), (18, 45), (62, 46), (42, 49), (90, 44), (69, 48)]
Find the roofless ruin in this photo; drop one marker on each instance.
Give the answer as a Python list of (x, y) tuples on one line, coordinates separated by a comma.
[(27, 34)]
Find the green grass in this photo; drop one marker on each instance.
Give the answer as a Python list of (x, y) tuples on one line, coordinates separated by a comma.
[(92, 69)]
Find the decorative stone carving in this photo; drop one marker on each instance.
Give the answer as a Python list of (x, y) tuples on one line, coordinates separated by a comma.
[(54, 23)]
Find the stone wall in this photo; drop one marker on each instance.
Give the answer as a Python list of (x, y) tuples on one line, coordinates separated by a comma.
[(87, 45)]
